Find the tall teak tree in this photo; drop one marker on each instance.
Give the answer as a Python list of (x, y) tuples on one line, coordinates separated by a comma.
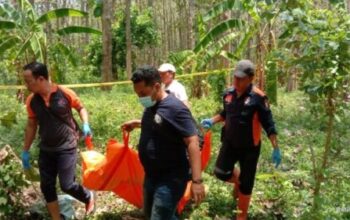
[(128, 37), (107, 40)]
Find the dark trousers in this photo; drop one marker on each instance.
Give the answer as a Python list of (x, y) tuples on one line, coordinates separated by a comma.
[(248, 159), (162, 196), (61, 164)]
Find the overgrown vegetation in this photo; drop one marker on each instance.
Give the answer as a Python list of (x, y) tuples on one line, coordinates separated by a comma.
[(283, 193), (324, 63), (23, 39), (299, 44), (12, 183)]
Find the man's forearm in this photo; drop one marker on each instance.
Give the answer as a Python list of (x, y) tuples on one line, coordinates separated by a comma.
[(217, 118), (195, 159), (273, 139), (84, 115), (29, 136), (130, 125), (137, 123)]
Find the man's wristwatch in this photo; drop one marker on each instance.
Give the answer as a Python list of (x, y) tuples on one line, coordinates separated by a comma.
[(197, 181)]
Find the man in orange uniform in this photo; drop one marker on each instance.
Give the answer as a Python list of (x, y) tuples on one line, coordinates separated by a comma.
[(50, 108), (246, 110)]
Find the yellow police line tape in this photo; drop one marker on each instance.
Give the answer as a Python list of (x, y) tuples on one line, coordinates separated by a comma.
[(87, 85)]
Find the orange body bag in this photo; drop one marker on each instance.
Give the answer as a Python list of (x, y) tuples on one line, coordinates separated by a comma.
[(121, 172)]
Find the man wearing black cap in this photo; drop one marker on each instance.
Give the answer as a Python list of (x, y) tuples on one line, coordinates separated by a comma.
[(246, 111)]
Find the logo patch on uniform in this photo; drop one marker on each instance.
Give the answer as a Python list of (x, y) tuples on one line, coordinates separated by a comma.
[(228, 98), (61, 102), (247, 101), (157, 119)]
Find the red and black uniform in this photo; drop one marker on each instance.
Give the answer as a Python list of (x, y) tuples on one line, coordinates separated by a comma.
[(245, 116), (58, 142), (57, 128)]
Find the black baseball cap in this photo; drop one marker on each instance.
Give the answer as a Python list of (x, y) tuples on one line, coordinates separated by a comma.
[(244, 68)]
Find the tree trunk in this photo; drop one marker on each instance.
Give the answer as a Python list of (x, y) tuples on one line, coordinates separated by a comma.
[(191, 34), (172, 32), (224, 64), (197, 87), (106, 41), (128, 37), (250, 43), (167, 28), (165, 34), (151, 50), (48, 25), (57, 20), (327, 148), (64, 21), (291, 83), (260, 72), (272, 41), (293, 75), (84, 6), (184, 25), (182, 40)]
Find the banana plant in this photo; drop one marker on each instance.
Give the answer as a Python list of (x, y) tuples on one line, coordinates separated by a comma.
[(262, 16), (211, 43), (22, 30)]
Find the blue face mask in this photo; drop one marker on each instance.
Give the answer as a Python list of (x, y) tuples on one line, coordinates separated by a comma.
[(147, 101)]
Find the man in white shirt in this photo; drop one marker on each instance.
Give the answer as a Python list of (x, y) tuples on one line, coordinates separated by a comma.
[(167, 73)]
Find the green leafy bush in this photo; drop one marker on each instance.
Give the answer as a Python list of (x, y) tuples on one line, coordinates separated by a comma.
[(11, 185)]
